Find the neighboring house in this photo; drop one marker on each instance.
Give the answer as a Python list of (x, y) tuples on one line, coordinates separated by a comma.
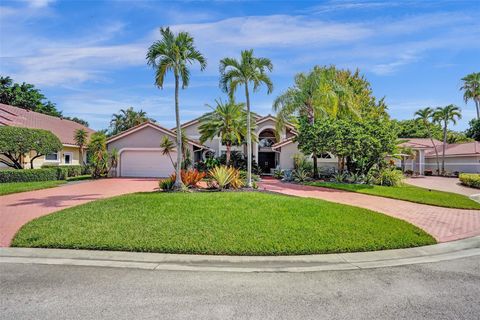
[(140, 154), (62, 128), (459, 157)]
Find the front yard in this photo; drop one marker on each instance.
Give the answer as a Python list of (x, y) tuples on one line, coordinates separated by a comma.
[(406, 192), (232, 223), (15, 187)]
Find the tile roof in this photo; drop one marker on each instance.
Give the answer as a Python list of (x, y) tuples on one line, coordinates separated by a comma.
[(419, 142), (457, 149), (62, 128)]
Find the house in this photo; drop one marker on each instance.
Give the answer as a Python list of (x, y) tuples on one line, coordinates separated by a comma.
[(62, 128), (141, 155), (459, 157)]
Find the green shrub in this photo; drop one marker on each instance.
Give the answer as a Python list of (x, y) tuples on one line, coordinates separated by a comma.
[(29, 175), (166, 184), (389, 177), (70, 170), (470, 179)]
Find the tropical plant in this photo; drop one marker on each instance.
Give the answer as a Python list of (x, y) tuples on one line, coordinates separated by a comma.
[(81, 139), (113, 157), (389, 177), (174, 53), (471, 90), (99, 154), (225, 177), (227, 121), (340, 177), (470, 179), (168, 147), (166, 184), (445, 115), (300, 175), (318, 94), (248, 70), (278, 174), (425, 116), (126, 119), (190, 178)]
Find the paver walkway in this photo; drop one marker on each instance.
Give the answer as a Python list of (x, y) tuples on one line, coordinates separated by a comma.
[(442, 184), (19, 208), (445, 224)]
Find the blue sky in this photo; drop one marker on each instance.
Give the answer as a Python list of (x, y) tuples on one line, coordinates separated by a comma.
[(89, 56)]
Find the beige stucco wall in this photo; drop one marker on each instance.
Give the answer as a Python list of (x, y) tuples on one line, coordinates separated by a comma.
[(37, 163), (461, 164), (288, 152)]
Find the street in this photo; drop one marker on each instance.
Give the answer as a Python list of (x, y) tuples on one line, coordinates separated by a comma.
[(443, 290)]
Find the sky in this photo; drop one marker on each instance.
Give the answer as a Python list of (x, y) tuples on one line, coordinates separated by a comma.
[(88, 57)]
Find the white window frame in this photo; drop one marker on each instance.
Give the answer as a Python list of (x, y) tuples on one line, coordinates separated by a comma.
[(53, 161), (71, 158)]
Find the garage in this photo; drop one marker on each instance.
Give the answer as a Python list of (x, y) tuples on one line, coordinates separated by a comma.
[(145, 163)]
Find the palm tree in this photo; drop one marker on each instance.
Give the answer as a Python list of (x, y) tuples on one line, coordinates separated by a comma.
[(227, 121), (80, 138), (235, 73), (471, 88), (314, 95), (425, 115), (444, 116), (167, 146), (126, 119), (174, 53)]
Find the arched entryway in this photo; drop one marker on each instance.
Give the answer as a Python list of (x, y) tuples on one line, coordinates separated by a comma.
[(267, 157)]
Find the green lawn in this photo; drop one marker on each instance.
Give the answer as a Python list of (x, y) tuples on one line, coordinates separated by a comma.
[(232, 223), (407, 192), (14, 187)]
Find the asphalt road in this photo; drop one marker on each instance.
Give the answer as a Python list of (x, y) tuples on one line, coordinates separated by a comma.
[(445, 290)]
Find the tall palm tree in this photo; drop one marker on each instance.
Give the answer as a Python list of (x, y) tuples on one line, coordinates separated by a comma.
[(80, 138), (444, 116), (471, 90), (126, 119), (227, 121), (315, 95), (248, 70), (425, 115), (175, 53)]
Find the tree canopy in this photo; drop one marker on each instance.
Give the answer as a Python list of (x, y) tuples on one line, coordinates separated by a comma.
[(473, 131), (126, 119), (16, 142)]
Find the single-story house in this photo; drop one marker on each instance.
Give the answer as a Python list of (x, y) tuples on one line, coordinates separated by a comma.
[(459, 157), (141, 155), (62, 128)]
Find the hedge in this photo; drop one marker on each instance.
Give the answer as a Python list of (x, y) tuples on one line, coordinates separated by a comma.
[(71, 171), (28, 175), (470, 179)]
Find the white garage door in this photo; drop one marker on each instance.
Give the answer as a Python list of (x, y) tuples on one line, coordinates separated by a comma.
[(136, 163)]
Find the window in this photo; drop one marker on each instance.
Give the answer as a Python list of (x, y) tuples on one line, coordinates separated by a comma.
[(51, 157), (67, 158), (325, 156)]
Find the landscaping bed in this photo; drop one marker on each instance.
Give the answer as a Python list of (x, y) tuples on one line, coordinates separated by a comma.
[(230, 223), (406, 192)]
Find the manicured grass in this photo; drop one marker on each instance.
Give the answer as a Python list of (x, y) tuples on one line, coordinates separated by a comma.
[(15, 187), (232, 223), (407, 192)]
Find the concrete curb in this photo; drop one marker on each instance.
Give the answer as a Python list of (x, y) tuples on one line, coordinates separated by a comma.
[(308, 263)]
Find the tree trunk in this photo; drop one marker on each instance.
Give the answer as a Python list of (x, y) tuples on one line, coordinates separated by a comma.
[(477, 105), (434, 147), (228, 154), (444, 146), (249, 140), (80, 153), (178, 179)]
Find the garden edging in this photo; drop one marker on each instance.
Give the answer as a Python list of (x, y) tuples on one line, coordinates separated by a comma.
[(308, 263)]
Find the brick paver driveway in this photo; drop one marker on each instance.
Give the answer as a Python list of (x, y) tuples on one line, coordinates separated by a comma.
[(17, 209), (444, 224)]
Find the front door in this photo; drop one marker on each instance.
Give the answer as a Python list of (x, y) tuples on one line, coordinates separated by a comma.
[(266, 161)]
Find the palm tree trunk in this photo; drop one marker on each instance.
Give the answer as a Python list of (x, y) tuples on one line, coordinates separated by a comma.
[(444, 146), (477, 104), (314, 155), (249, 141), (228, 154), (178, 178), (434, 147)]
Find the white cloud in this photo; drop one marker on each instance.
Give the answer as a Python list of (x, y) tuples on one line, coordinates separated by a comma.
[(39, 3)]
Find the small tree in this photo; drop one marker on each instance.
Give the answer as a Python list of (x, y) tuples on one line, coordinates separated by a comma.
[(80, 138), (471, 90), (167, 146), (98, 149), (16, 142), (445, 115)]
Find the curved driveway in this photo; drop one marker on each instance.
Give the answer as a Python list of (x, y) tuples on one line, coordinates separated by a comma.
[(19, 208), (445, 224)]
